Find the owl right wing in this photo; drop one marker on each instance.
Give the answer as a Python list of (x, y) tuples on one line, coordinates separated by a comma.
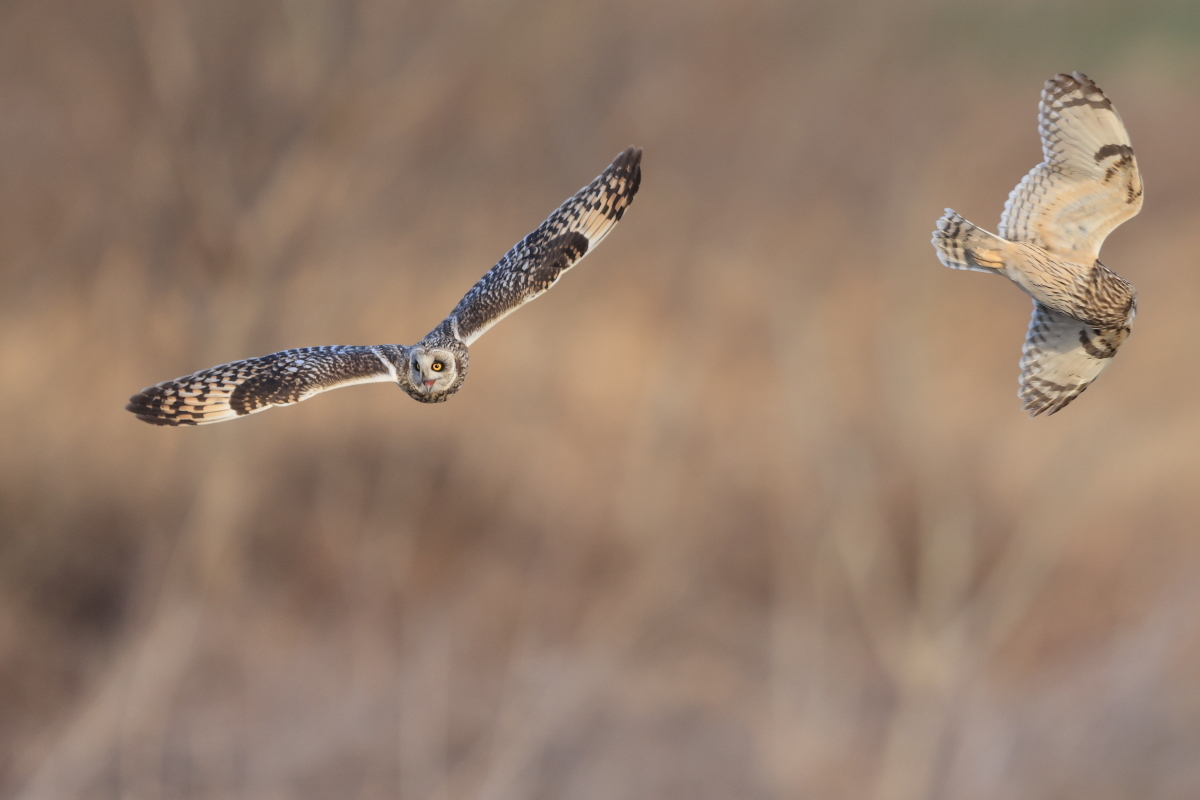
[(246, 387), (539, 260), (1061, 358), (1089, 182)]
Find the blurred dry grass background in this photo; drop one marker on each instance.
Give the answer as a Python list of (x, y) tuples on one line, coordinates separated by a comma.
[(746, 507)]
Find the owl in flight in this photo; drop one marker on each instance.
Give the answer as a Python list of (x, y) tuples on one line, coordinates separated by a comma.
[(1049, 242), (435, 367)]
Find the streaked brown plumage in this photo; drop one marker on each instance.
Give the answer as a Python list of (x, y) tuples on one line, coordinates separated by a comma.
[(434, 368), (1049, 242)]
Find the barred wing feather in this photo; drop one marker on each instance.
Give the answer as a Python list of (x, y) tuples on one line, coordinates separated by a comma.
[(255, 384), (1089, 182), (537, 262)]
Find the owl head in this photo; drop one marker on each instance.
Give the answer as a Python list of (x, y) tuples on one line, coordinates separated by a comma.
[(436, 370)]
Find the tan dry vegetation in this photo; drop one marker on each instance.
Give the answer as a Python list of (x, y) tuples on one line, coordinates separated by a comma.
[(745, 508)]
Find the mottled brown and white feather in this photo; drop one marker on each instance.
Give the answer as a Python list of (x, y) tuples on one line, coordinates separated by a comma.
[(1061, 358), (1089, 182), (536, 263), (962, 245), (256, 384)]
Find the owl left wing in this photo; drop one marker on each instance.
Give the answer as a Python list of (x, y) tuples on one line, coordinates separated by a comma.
[(1089, 182), (1061, 358), (246, 387), (540, 259)]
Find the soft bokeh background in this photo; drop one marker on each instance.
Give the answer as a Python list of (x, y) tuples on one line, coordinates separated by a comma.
[(746, 507)]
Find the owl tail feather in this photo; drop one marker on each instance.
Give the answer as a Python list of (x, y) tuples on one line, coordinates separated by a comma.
[(961, 245)]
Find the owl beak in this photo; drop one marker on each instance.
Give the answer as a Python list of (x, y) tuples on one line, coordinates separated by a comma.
[(429, 384)]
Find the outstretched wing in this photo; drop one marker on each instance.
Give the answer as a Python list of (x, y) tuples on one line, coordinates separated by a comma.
[(280, 379), (540, 259), (1061, 358), (1088, 184)]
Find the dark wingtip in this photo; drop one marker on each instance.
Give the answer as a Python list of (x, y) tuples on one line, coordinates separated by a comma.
[(630, 155), (148, 416), (160, 421), (630, 160), (140, 406)]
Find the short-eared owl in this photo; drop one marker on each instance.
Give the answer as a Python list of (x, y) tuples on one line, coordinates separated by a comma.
[(435, 367), (1050, 235)]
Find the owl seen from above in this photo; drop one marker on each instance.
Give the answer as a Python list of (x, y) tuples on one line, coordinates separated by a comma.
[(1049, 242), (432, 369)]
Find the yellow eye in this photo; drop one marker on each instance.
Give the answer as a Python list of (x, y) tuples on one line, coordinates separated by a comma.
[(437, 366)]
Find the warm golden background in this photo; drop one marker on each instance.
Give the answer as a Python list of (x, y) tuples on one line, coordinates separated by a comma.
[(745, 508)]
